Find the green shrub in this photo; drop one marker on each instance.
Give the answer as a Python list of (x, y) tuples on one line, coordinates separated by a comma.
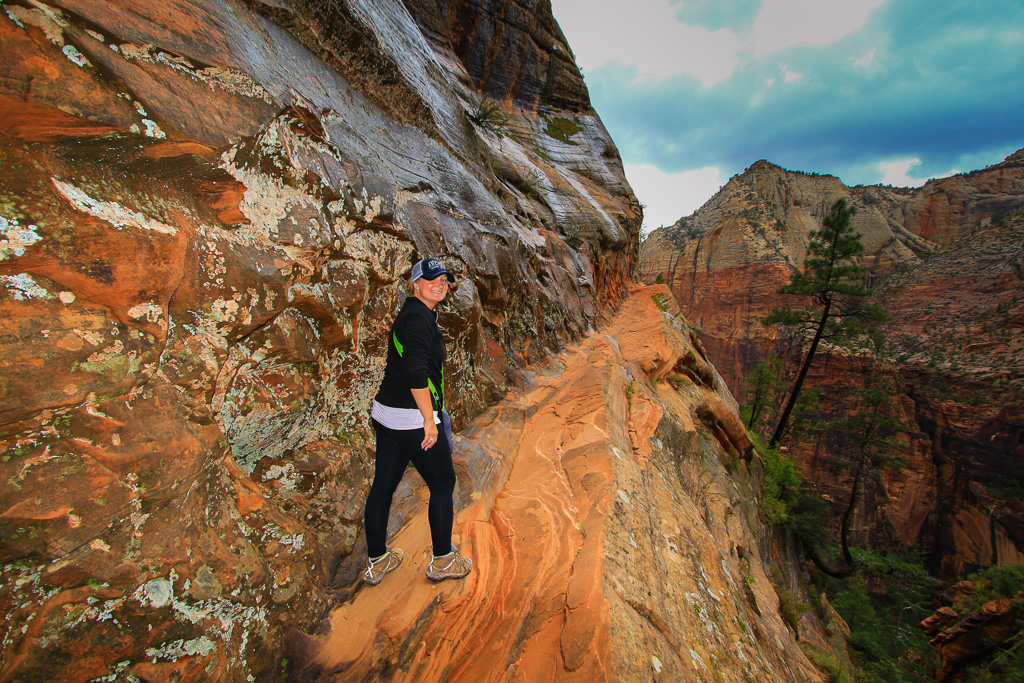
[(883, 606), (562, 129), (490, 116), (808, 518), (828, 664), (992, 584), (791, 608), (678, 381), (1005, 667), (529, 184), (780, 489)]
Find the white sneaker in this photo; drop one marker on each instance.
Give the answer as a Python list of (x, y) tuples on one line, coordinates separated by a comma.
[(450, 566), (382, 565)]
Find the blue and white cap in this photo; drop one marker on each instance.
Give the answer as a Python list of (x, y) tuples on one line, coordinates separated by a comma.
[(430, 269)]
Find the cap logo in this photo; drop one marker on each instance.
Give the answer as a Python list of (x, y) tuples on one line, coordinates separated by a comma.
[(429, 268)]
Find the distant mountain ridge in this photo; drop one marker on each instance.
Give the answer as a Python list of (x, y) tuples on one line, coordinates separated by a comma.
[(947, 260), (764, 216)]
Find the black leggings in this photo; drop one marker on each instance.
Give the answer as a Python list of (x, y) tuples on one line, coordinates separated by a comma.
[(395, 448)]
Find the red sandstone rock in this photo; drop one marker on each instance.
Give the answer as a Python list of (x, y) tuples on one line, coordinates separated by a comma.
[(604, 540), (941, 260), (207, 212), (972, 639)]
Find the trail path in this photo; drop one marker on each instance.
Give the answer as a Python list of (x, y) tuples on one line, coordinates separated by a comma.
[(538, 484)]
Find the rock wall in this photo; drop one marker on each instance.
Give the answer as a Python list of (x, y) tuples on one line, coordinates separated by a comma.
[(968, 640), (609, 504), (207, 213), (946, 261)]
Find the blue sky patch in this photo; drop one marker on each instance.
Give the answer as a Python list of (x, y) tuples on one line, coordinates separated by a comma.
[(885, 91)]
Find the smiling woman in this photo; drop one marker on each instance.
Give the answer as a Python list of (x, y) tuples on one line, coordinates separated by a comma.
[(430, 292), (406, 413)]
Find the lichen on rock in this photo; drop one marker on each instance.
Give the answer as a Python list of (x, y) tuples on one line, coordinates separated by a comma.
[(208, 212)]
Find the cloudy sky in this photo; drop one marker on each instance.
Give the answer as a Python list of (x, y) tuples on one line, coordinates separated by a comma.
[(872, 91)]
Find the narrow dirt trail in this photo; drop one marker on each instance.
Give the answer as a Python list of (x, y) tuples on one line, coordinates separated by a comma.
[(608, 543), (533, 608)]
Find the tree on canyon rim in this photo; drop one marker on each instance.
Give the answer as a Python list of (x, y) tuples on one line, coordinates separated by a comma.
[(836, 285), (863, 445), (764, 386), (766, 390)]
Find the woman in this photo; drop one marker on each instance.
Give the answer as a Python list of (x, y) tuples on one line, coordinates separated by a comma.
[(406, 413)]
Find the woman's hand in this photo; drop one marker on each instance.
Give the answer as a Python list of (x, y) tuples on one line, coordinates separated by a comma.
[(429, 434), (422, 398)]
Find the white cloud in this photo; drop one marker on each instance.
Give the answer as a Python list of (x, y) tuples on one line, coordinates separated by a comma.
[(914, 88), (785, 23), (646, 35), (867, 61), (896, 173), (667, 197)]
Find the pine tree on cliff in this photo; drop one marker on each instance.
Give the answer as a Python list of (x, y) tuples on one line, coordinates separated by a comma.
[(836, 286), (764, 387), (864, 440)]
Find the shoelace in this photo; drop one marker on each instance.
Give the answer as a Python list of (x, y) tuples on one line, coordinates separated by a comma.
[(382, 558), (445, 568)]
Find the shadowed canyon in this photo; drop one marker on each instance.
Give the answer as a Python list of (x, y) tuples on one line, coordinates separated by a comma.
[(207, 214), (947, 262)]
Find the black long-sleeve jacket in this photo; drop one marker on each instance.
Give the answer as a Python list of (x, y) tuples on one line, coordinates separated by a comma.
[(415, 359)]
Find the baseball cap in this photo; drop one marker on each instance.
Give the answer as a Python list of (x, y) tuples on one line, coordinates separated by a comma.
[(430, 269)]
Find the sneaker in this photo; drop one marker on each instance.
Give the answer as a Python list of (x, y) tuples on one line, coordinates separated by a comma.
[(450, 566), (382, 565)]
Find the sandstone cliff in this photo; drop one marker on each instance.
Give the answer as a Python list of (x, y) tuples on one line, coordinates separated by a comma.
[(946, 262), (610, 505), (207, 210)]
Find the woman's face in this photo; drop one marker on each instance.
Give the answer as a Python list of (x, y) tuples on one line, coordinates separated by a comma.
[(431, 292)]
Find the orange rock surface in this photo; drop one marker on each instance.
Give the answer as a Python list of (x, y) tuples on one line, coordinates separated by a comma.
[(208, 214), (609, 542)]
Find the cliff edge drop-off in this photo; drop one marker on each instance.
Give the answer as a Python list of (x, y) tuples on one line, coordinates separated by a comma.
[(947, 261), (207, 214)]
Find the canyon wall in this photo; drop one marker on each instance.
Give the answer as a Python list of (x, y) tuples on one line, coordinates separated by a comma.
[(610, 505), (947, 261), (207, 213)]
